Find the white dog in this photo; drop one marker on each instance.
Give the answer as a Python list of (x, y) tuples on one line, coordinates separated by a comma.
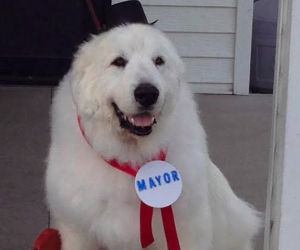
[(127, 87)]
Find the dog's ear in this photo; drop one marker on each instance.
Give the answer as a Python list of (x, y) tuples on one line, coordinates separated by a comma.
[(82, 58), (83, 79), (81, 61), (178, 66)]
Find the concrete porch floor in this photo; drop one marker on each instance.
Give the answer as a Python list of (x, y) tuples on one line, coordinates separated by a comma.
[(238, 129)]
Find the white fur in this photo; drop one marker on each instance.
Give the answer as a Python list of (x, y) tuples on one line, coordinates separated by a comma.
[(94, 206)]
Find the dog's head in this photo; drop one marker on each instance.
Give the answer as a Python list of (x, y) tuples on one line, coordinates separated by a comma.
[(128, 77)]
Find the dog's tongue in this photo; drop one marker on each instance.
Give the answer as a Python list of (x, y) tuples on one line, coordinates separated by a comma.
[(142, 120)]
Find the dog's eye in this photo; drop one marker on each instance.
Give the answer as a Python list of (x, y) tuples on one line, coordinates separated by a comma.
[(159, 61), (119, 62)]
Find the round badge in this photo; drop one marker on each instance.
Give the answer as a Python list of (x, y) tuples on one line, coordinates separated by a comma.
[(158, 184)]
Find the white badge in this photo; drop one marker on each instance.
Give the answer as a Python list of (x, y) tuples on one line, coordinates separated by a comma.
[(158, 184)]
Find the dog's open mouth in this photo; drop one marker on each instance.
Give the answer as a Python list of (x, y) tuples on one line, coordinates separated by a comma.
[(139, 124)]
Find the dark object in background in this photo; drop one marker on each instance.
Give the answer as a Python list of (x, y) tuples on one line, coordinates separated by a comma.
[(125, 12), (263, 46), (38, 38)]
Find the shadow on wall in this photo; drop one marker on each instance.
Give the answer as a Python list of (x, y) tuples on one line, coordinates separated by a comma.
[(263, 46)]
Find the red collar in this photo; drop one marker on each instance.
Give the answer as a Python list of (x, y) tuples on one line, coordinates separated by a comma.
[(127, 168), (124, 167)]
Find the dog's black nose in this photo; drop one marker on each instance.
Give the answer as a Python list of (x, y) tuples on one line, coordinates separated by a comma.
[(146, 94)]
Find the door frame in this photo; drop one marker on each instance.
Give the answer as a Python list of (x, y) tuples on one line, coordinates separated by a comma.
[(282, 223)]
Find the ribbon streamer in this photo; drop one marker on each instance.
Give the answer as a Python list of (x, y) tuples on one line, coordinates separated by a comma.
[(146, 214), (170, 228)]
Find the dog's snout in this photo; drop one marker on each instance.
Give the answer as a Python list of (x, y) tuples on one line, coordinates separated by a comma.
[(146, 94)]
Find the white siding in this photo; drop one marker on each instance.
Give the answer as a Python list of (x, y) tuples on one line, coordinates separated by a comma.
[(192, 19), (201, 3), (204, 44), (209, 70), (209, 88)]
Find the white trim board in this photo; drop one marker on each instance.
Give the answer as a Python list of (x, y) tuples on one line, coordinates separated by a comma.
[(243, 47), (282, 227)]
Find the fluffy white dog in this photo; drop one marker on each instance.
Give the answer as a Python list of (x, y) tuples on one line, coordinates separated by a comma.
[(127, 86)]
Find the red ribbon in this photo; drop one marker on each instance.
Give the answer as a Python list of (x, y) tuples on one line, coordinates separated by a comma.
[(146, 212), (170, 228)]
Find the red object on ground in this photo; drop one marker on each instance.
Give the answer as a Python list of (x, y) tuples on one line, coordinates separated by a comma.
[(49, 239)]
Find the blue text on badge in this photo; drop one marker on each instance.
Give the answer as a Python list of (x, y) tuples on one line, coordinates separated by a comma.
[(158, 180)]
